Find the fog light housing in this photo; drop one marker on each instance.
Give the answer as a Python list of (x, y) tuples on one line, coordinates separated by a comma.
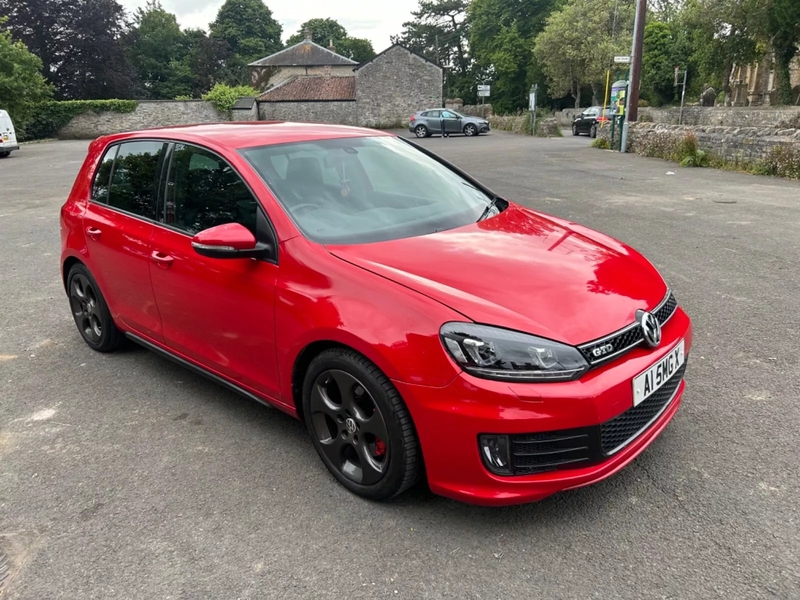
[(495, 453)]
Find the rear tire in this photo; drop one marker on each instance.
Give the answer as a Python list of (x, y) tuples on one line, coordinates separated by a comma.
[(593, 131), (421, 131), (90, 311), (360, 426), (5, 154)]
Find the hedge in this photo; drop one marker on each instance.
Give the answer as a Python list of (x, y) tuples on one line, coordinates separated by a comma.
[(49, 117)]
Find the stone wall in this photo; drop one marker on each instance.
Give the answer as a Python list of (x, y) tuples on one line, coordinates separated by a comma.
[(148, 114), (731, 143), (394, 86), (340, 113), (728, 116)]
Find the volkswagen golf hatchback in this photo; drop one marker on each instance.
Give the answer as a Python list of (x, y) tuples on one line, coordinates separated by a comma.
[(414, 320)]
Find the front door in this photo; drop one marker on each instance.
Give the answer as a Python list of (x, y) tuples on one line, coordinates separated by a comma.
[(217, 312), (118, 225), (452, 124), (433, 120)]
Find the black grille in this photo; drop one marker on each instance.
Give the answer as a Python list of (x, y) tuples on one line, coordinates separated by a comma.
[(533, 453), (627, 338), (620, 430), (541, 452)]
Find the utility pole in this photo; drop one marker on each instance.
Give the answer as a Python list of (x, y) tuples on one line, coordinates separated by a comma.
[(632, 97)]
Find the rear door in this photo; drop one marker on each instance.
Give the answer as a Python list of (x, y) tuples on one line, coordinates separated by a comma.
[(217, 312), (118, 225), (8, 137)]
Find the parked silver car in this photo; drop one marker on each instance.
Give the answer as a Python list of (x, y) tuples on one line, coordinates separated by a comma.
[(428, 122)]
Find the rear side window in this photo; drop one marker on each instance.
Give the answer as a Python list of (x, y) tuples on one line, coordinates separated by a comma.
[(103, 176), (133, 178)]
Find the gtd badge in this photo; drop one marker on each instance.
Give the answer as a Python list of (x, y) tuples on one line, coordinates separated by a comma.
[(602, 350)]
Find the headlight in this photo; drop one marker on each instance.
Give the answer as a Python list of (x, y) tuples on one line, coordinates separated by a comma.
[(495, 353)]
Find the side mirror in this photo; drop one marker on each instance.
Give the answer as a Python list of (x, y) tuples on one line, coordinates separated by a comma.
[(231, 240)]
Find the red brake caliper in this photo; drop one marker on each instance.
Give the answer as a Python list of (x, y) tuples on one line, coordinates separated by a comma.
[(380, 447)]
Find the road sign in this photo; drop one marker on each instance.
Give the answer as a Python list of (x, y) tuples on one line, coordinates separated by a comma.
[(484, 91), (622, 59)]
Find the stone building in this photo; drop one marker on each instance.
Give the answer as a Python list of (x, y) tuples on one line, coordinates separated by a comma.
[(305, 58), (754, 85), (385, 91)]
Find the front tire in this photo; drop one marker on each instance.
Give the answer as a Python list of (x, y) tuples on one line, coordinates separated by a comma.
[(470, 130), (574, 129), (421, 131), (90, 311), (360, 426)]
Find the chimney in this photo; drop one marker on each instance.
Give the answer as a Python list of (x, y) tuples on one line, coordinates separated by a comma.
[(331, 47), (307, 34)]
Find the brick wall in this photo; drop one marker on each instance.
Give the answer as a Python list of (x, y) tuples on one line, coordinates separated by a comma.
[(396, 85), (340, 113), (147, 114)]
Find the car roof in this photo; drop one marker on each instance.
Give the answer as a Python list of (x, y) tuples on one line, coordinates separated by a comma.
[(250, 134)]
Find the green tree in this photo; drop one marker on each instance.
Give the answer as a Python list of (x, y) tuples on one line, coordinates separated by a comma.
[(501, 37), (79, 43), (575, 56), (250, 32), (327, 31), (22, 84), (440, 32), (157, 50), (784, 29), (208, 60), (658, 64)]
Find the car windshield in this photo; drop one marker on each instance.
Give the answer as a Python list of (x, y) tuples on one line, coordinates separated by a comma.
[(371, 189)]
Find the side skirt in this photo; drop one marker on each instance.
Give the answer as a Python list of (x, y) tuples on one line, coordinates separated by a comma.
[(197, 369)]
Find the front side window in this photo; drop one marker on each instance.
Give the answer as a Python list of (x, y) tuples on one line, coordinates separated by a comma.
[(360, 190), (133, 178), (205, 191)]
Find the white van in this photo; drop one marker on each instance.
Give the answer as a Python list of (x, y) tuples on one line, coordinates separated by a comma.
[(8, 138)]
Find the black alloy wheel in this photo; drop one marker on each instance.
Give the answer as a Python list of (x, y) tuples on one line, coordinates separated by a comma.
[(90, 311), (470, 130), (574, 129), (359, 425), (421, 131)]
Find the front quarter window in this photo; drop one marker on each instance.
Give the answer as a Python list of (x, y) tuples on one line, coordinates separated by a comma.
[(360, 190)]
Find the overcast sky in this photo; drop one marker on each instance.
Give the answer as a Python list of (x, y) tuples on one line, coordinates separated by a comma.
[(375, 20)]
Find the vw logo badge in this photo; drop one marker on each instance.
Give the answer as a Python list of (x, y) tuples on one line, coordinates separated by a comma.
[(351, 425), (651, 328)]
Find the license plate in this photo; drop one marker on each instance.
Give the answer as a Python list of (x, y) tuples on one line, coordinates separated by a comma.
[(5, 138), (645, 384)]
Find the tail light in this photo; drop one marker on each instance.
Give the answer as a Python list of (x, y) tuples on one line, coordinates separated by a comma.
[(413, 118)]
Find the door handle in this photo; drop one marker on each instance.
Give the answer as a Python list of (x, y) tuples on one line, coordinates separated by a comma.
[(94, 233), (162, 260)]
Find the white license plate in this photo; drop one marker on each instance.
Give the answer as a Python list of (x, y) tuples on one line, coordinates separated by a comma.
[(645, 384)]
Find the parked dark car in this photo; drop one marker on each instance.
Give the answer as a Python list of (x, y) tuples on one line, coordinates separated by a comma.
[(590, 119), (427, 122)]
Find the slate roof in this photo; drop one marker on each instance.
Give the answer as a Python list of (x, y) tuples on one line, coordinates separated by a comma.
[(304, 54), (317, 88)]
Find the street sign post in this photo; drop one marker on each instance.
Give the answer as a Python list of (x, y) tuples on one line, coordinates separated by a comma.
[(532, 106), (484, 91)]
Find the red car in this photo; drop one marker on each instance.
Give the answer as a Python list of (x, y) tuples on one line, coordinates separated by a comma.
[(414, 320)]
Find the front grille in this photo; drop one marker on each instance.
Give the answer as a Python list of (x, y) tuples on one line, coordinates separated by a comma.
[(627, 338), (616, 433), (533, 453)]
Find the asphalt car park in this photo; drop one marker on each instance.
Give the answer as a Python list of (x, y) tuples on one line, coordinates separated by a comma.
[(125, 476)]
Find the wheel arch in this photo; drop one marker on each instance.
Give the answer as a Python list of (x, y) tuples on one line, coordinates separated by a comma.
[(66, 267)]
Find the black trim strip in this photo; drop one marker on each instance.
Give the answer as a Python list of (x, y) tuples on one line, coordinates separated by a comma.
[(197, 369)]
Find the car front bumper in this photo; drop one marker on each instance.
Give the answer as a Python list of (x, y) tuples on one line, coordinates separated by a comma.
[(449, 421)]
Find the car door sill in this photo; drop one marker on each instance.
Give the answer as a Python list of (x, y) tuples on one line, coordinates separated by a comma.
[(197, 369)]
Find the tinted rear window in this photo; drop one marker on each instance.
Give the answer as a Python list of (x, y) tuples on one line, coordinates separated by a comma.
[(133, 179)]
